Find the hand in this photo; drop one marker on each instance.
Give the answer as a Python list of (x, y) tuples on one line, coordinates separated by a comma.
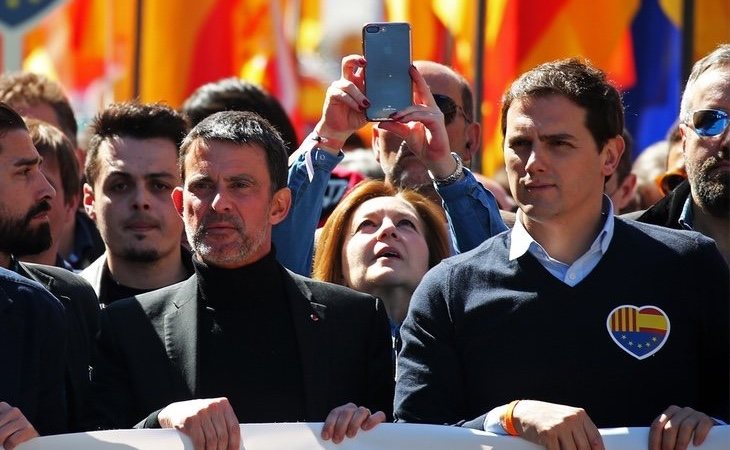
[(423, 128), (674, 428), (14, 427), (344, 104), (347, 419), (210, 423), (556, 426)]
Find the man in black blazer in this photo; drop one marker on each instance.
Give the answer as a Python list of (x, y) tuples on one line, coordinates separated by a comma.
[(24, 230), (246, 338), (32, 336), (82, 323)]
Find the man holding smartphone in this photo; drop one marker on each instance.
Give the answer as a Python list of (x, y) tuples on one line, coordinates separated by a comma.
[(423, 143)]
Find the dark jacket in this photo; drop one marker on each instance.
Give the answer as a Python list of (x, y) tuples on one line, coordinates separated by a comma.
[(98, 272), (666, 212), (82, 318), (32, 339), (343, 339)]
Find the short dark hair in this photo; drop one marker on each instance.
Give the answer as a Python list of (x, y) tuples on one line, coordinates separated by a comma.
[(242, 128), (56, 149), (132, 119), (10, 120), (235, 94), (27, 88), (581, 83)]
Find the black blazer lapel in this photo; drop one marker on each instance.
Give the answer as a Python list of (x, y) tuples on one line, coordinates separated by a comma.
[(312, 336), (45, 280), (181, 333), (11, 326)]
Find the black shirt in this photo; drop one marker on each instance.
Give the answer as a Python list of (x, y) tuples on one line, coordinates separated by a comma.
[(110, 290), (248, 350)]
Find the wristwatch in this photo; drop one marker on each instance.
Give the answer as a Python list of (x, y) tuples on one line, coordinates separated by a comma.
[(457, 175)]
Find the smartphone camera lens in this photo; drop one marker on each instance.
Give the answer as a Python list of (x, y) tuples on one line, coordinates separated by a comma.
[(372, 28)]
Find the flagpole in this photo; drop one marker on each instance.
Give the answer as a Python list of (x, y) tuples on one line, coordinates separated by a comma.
[(137, 61), (479, 76), (688, 33), (12, 50)]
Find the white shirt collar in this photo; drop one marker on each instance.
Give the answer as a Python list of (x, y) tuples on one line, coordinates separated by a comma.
[(521, 239)]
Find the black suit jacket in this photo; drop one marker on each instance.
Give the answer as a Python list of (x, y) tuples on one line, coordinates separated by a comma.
[(32, 339), (147, 351), (82, 319)]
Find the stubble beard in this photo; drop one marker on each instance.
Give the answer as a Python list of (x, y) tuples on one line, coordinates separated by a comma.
[(713, 190), (137, 255), (408, 176), (230, 253)]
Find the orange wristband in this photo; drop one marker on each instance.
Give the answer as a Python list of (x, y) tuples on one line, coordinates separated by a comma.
[(507, 419)]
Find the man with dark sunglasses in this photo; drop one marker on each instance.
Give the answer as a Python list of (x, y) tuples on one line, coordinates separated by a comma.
[(397, 152), (409, 159), (427, 146), (702, 202)]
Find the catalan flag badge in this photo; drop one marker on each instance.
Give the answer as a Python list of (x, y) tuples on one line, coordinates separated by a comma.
[(640, 331)]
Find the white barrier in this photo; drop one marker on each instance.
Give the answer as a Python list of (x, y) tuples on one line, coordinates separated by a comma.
[(305, 436)]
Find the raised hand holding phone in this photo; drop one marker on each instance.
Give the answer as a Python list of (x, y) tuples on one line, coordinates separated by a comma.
[(387, 50)]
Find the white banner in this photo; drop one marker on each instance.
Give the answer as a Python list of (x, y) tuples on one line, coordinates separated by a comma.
[(305, 436)]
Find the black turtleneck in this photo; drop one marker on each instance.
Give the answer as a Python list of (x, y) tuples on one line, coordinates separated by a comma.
[(247, 346)]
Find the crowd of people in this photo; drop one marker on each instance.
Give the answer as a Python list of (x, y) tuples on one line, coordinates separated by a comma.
[(171, 271)]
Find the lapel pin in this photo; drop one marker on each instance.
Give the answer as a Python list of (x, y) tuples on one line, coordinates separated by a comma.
[(314, 317)]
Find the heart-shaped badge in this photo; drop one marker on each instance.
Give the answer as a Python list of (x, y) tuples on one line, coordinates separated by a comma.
[(639, 331)]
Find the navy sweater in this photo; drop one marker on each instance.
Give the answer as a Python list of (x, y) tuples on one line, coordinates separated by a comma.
[(483, 330)]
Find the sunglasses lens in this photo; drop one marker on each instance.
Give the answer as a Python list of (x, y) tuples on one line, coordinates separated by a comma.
[(710, 122), (447, 107)]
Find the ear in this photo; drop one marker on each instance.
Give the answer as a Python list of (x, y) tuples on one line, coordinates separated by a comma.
[(375, 143), (89, 201), (683, 129), (177, 199), (473, 133), (70, 209), (280, 204), (683, 132), (612, 151), (626, 192)]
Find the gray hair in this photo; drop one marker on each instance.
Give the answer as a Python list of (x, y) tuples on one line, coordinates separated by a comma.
[(720, 56)]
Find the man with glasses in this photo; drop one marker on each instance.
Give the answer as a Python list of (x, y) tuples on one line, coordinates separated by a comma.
[(396, 150), (702, 202), (427, 146)]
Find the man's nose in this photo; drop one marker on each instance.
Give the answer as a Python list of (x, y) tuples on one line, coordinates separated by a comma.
[(141, 199), (536, 159), (45, 190), (220, 202)]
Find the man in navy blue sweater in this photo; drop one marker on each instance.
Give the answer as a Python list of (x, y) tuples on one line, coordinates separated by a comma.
[(572, 306)]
